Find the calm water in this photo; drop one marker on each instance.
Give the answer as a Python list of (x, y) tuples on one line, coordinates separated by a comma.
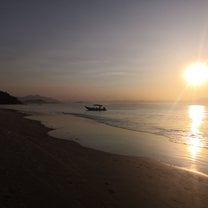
[(178, 124), (187, 124)]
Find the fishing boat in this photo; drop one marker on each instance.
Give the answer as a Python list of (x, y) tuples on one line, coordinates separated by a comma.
[(96, 107)]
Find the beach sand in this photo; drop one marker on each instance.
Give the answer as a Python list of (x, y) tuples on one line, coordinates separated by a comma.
[(41, 171)]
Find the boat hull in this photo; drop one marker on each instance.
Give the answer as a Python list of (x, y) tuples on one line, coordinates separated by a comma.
[(95, 109)]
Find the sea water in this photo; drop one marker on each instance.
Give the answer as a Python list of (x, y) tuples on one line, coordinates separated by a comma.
[(181, 126)]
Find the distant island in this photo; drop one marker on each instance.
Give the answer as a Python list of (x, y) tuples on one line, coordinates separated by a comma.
[(6, 98), (37, 99)]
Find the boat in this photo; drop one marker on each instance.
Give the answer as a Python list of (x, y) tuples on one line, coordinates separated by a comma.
[(96, 107)]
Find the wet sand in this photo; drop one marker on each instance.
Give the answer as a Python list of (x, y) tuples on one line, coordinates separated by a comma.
[(41, 171)]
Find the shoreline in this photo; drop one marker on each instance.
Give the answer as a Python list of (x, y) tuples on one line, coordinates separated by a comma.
[(38, 170), (120, 141)]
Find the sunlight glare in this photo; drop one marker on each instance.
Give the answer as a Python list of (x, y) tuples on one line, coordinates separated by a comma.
[(196, 74), (196, 114)]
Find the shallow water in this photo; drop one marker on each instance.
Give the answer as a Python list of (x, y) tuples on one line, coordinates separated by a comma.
[(185, 124), (173, 134)]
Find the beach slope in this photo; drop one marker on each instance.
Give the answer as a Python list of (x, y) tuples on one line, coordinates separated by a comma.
[(40, 171)]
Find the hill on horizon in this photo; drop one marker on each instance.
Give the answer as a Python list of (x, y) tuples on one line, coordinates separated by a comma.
[(38, 99)]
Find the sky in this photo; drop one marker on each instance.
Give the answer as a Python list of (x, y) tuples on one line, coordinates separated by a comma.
[(102, 50)]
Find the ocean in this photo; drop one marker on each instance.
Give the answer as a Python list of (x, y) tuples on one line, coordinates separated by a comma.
[(179, 123), (180, 126)]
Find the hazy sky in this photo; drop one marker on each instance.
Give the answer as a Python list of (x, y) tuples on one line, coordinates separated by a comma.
[(101, 49)]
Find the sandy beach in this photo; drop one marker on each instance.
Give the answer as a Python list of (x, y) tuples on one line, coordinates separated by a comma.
[(38, 170)]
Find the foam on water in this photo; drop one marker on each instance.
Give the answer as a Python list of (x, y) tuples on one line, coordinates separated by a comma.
[(175, 125), (180, 124)]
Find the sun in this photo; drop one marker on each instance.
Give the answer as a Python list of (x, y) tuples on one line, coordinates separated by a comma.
[(196, 74)]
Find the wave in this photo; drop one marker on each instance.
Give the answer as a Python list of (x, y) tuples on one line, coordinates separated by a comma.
[(174, 135)]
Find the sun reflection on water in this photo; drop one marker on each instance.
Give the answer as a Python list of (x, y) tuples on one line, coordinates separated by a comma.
[(196, 114)]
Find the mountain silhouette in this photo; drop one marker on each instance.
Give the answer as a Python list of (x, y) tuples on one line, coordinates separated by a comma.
[(38, 99)]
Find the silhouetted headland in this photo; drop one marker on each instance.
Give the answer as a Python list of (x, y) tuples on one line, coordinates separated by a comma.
[(6, 98)]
